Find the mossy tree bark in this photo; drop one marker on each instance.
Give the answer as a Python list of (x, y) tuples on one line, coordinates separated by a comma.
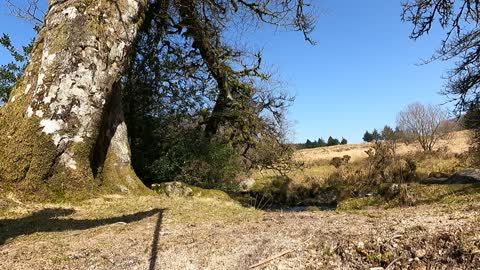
[(62, 131)]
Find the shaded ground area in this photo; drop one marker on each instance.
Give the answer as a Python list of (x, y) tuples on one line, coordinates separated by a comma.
[(52, 220), (215, 233)]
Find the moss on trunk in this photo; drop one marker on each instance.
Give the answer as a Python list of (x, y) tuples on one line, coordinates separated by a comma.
[(52, 124)]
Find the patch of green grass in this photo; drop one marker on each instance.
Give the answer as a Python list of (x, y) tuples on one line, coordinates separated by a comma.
[(438, 164), (210, 193), (444, 193), (360, 203), (421, 194)]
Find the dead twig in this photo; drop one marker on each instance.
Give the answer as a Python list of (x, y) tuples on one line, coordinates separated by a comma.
[(393, 262), (278, 255), (271, 258)]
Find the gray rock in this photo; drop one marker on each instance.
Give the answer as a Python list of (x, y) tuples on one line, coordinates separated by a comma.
[(123, 189), (247, 184), (465, 177), (173, 189), (438, 175), (431, 180), (393, 191)]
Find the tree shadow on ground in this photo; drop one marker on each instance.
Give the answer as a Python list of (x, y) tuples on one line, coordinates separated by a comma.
[(155, 240), (50, 220)]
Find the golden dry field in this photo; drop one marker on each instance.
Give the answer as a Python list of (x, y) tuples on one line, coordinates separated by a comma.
[(456, 143), (317, 168)]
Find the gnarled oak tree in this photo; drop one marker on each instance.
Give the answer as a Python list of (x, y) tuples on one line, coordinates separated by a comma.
[(58, 128), (62, 129)]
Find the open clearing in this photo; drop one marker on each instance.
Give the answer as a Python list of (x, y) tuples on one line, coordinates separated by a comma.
[(156, 232), (212, 231)]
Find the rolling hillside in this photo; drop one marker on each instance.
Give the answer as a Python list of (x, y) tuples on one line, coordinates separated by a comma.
[(456, 143)]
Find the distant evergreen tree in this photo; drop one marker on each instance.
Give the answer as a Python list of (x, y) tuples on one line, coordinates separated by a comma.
[(308, 144), (471, 118), (388, 134), (376, 135), (332, 141), (321, 143), (367, 137), (10, 73)]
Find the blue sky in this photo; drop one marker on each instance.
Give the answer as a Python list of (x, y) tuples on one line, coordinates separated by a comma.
[(362, 72)]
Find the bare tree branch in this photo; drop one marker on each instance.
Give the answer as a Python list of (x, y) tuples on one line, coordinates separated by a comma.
[(29, 11)]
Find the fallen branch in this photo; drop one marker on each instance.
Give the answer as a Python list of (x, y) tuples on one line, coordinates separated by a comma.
[(393, 262), (271, 259), (279, 255)]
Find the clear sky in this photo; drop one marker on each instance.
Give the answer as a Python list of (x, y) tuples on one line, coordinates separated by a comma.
[(362, 72)]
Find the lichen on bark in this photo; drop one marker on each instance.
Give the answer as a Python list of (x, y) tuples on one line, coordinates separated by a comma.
[(53, 120)]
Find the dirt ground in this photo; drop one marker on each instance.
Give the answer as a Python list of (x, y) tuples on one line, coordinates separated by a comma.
[(157, 232)]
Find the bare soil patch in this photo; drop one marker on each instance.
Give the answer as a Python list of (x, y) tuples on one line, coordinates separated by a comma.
[(157, 232)]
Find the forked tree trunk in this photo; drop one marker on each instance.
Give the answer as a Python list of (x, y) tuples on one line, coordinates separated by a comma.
[(62, 131)]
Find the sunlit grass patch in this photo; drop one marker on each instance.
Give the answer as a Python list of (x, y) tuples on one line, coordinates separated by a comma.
[(438, 164)]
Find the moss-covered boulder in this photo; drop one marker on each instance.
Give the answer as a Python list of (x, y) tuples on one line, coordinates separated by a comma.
[(173, 189)]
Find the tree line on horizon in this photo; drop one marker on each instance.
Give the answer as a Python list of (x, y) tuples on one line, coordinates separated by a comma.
[(331, 141), (386, 134)]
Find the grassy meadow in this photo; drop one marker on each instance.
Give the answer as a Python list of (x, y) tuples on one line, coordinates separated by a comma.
[(318, 182)]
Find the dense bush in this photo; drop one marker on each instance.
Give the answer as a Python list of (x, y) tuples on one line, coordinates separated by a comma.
[(385, 165), (337, 162), (382, 169), (283, 192), (192, 159), (475, 148), (167, 151), (472, 122)]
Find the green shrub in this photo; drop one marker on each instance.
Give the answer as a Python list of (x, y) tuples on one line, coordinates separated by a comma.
[(376, 176), (198, 161), (337, 162), (215, 166)]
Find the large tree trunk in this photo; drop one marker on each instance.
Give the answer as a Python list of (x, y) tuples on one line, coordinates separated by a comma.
[(62, 131)]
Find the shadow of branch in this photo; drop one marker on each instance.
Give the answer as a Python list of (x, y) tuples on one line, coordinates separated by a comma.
[(47, 220), (156, 238)]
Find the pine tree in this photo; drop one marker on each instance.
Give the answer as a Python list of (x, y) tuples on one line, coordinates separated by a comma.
[(388, 134), (367, 137), (321, 142), (376, 135), (332, 141)]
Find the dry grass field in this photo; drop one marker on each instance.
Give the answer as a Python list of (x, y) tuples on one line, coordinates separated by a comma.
[(456, 143), (316, 179), (317, 160)]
